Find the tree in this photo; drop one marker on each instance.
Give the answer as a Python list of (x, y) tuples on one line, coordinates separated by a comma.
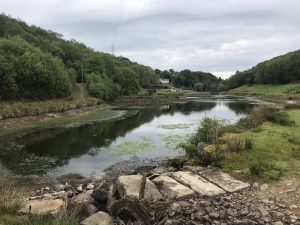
[(199, 87)]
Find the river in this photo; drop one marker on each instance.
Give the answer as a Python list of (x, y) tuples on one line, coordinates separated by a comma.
[(153, 131)]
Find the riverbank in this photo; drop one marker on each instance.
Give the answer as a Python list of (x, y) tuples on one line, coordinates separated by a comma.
[(287, 95)]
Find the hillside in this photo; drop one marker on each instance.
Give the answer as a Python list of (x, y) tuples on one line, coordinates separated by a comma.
[(279, 70), (39, 64), (268, 89)]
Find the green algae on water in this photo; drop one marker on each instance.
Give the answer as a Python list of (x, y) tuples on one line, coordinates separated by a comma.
[(130, 147)]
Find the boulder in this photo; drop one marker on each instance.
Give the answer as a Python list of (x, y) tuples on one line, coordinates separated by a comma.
[(100, 195), (42, 207), (99, 218), (171, 188), (83, 199), (197, 183), (130, 185), (89, 210)]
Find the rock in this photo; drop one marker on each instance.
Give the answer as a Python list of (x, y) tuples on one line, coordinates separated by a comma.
[(48, 196), (255, 185), (197, 183), (172, 189), (83, 199), (42, 207), (172, 222), (292, 207), (90, 186), (99, 218), (89, 210), (130, 185), (80, 188), (278, 223), (217, 177), (264, 187), (100, 195)]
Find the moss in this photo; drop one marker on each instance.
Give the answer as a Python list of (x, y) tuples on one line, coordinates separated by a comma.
[(172, 141), (130, 147), (174, 126)]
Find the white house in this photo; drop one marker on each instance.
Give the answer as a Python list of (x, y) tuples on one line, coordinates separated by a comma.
[(164, 81)]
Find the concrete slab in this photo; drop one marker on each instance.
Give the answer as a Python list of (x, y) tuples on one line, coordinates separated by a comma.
[(130, 185), (219, 178), (197, 183), (172, 189)]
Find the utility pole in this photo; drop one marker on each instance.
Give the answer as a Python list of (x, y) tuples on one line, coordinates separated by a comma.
[(112, 49)]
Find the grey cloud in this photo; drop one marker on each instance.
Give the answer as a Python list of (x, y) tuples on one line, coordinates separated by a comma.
[(209, 35)]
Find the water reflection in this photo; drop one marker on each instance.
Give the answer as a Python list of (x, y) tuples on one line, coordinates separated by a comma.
[(73, 144)]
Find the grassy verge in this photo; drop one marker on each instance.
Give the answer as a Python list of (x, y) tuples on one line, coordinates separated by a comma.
[(10, 200), (268, 89), (78, 99), (266, 149)]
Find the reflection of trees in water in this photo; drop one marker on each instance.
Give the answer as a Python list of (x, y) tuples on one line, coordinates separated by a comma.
[(77, 141), (240, 107)]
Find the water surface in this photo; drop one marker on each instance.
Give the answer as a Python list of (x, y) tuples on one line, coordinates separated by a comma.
[(152, 132)]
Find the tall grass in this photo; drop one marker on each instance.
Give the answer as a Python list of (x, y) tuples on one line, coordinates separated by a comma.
[(10, 198), (27, 108), (238, 144)]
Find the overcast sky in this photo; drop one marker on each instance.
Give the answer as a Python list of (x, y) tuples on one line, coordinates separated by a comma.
[(219, 36)]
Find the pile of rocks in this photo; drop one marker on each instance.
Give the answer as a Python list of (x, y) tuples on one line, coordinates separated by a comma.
[(194, 195), (235, 208)]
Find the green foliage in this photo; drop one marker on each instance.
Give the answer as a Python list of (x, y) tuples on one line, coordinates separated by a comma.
[(279, 70), (128, 80), (27, 72), (10, 198), (198, 87), (189, 79), (40, 64), (210, 131), (101, 86), (238, 144)]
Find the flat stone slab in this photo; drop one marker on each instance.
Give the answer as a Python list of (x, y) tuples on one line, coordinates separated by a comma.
[(99, 218), (42, 207), (172, 189), (130, 185), (219, 178), (197, 183)]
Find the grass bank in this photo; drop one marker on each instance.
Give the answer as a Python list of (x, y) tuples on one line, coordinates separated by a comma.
[(266, 149), (78, 99), (291, 89)]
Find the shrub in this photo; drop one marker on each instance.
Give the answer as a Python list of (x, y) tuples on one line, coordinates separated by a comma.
[(238, 144), (10, 199), (258, 115), (210, 131)]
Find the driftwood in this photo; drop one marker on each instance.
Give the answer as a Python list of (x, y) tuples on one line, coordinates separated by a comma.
[(132, 205)]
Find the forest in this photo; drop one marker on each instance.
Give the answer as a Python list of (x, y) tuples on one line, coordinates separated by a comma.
[(39, 64), (279, 70)]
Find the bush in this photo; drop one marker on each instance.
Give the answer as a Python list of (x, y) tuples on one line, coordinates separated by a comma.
[(210, 131), (10, 199), (238, 144)]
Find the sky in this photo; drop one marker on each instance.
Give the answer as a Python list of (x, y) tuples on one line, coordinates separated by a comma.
[(218, 36)]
